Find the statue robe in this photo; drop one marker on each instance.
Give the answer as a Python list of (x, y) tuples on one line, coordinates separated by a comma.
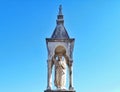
[(60, 74)]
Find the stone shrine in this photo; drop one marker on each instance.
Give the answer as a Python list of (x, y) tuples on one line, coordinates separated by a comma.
[(60, 49)]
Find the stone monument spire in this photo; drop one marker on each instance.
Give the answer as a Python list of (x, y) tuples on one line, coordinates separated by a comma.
[(60, 19), (60, 49), (60, 31)]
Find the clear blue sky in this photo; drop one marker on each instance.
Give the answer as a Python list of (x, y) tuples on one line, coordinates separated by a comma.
[(24, 25)]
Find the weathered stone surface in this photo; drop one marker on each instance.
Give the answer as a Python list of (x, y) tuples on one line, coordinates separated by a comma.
[(60, 31)]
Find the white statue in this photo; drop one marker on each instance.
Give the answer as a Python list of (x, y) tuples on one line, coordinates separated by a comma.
[(60, 72)]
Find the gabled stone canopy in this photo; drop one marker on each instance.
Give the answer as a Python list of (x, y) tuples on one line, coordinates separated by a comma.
[(60, 31)]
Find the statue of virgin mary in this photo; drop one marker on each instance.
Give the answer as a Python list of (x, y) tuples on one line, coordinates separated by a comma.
[(60, 72)]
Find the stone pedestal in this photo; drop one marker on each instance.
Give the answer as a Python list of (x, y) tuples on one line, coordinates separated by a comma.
[(59, 91)]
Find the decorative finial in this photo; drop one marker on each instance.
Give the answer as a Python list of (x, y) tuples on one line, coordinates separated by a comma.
[(60, 19), (60, 10)]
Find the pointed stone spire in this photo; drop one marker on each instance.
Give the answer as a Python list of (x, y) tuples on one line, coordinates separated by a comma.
[(60, 19), (60, 31)]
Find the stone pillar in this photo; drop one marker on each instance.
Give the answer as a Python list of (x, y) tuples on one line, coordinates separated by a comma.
[(71, 75), (49, 74)]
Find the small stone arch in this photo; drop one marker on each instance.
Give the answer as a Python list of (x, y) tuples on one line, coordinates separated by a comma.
[(60, 50)]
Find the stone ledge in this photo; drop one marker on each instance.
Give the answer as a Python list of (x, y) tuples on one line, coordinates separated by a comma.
[(59, 91)]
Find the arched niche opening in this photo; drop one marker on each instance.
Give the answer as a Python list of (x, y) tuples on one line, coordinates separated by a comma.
[(60, 50)]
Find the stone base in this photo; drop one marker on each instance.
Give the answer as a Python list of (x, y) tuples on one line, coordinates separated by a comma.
[(59, 91)]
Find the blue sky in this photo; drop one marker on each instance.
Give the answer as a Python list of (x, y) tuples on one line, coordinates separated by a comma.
[(24, 25)]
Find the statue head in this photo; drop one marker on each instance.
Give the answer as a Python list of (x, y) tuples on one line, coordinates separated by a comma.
[(60, 58)]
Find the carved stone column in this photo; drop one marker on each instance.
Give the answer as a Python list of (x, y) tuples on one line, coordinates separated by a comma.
[(49, 74), (71, 75)]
